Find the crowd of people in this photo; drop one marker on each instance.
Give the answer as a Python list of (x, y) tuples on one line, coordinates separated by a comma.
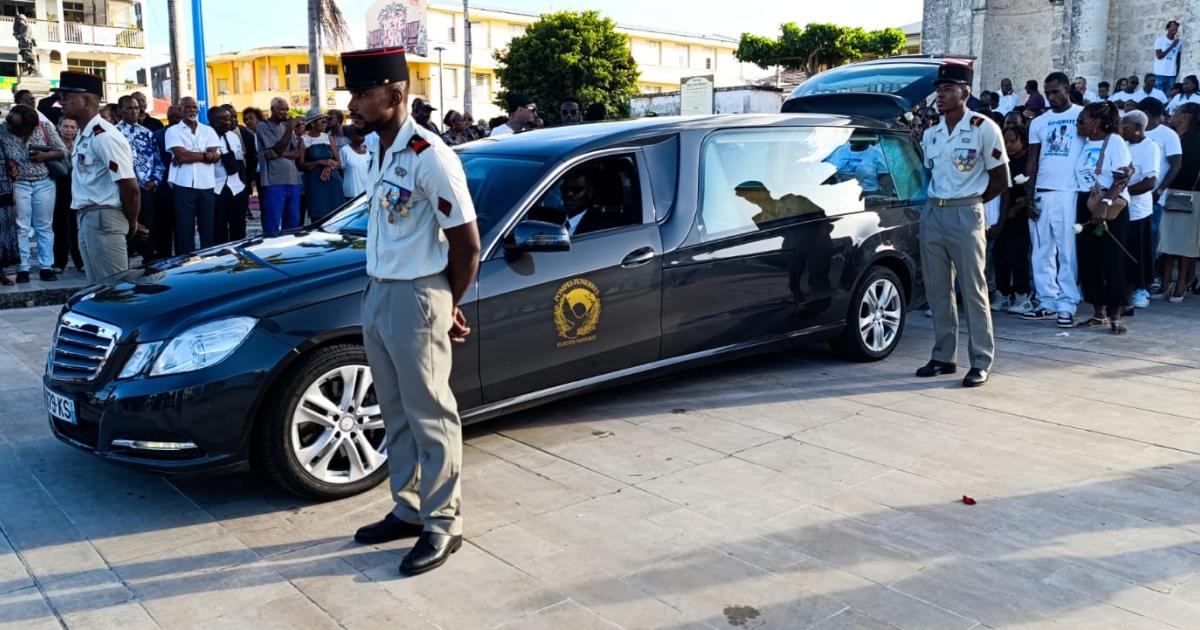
[(1104, 202), (196, 179)]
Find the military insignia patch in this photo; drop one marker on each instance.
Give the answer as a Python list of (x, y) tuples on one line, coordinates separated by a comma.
[(418, 144), (112, 166), (977, 121), (996, 154), (444, 206), (97, 130)]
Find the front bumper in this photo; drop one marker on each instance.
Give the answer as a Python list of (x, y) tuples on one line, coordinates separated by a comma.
[(213, 408)]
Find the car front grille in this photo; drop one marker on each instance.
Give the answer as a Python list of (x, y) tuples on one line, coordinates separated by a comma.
[(85, 433), (81, 346)]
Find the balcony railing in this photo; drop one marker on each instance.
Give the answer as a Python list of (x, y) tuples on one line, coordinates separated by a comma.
[(76, 33), (114, 91)]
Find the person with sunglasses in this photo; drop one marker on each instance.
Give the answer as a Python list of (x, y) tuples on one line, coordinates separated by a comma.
[(570, 111), (522, 115)]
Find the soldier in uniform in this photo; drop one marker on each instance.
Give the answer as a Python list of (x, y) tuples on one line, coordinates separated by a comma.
[(104, 186), (969, 166), (422, 255)]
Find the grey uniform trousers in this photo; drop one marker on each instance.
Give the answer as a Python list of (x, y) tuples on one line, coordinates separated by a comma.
[(406, 327), (102, 244), (954, 243)]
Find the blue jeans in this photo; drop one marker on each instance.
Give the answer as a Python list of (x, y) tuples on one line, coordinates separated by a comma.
[(1164, 83), (1155, 222), (281, 204), (35, 220)]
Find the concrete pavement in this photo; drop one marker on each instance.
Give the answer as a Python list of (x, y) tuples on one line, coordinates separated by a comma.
[(793, 491)]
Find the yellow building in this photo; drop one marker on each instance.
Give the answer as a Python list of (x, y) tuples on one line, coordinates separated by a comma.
[(253, 77)]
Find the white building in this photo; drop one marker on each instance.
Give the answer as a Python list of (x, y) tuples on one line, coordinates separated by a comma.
[(103, 37)]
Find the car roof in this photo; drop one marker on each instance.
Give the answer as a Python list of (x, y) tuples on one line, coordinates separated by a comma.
[(563, 141)]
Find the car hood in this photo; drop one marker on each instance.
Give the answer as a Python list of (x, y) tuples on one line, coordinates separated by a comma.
[(252, 277)]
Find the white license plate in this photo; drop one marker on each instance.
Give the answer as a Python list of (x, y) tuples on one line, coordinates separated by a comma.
[(60, 407)]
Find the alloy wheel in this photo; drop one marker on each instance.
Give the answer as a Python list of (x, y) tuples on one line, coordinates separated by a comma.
[(879, 315), (337, 432)]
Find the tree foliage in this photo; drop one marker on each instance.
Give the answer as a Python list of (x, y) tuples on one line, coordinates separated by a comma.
[(818, 46), (569, 53)]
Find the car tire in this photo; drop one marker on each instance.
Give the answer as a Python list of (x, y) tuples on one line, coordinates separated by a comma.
[(873, 330), (278, 435)]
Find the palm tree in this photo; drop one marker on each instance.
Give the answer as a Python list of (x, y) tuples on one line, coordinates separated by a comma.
[(325, 22)]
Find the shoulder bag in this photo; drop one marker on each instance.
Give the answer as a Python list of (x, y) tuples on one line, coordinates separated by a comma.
[(7, 198), (60, 168), (1104, 211), (1182, 201)]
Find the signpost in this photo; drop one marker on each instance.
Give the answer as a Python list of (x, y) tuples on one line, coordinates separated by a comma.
[(696, 96)]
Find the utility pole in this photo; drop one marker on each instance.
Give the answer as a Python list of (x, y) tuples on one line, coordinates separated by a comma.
[(466, 57), (316, 59), (201, 59), (441, 86), (176, 44)]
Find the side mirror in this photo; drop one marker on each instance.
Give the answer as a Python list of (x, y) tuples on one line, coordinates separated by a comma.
[(538, 236)]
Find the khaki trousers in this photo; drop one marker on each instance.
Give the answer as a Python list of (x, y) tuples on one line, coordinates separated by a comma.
[(954, 243), (406, 327), (102, 243)]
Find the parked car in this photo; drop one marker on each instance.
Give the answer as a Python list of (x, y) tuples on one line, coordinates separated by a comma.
[(908, 79), (706, 238)]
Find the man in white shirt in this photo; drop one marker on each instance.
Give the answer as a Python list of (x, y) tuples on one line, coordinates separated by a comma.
[(1054, 147), (522, 115), (196, 148), (1171, 153), (1149, 90), (232, 195), (1081, 86), (1167, 50), (1008, 98), (1131, 91)]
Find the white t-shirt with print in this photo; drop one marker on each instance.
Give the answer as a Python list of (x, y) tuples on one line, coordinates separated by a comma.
[(1056, 133), (1147, 157), (1180, 99), (1168, 66), (1115, 156)]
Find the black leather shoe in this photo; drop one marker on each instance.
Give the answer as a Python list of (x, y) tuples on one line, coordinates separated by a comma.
[(389, 529), (431, 551), (936, 368), (975, 378), (47, 275), (22, 277)]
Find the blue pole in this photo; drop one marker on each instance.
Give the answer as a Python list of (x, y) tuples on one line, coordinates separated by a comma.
[(201, 68)]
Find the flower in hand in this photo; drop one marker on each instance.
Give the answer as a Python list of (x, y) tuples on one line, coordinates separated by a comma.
[(1020, 180)]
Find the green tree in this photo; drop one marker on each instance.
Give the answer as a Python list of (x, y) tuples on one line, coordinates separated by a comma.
[(569, 54), (818, 46)]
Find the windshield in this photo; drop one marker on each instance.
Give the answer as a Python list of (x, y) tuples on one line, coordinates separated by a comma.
[(912, 82), (496, 183)]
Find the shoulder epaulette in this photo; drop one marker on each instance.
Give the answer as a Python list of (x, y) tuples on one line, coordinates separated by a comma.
[(418, 144), (977, 120), (97, 130)]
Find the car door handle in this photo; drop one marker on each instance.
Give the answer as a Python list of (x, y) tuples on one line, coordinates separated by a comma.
[(638, 258)]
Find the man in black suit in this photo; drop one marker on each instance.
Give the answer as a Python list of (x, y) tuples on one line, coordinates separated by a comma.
[(580, 212)]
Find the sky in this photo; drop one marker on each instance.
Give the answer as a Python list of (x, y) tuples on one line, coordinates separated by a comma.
[(232, 25)]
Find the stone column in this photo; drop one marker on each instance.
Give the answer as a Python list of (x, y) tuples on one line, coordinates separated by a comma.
[(1089, 39)]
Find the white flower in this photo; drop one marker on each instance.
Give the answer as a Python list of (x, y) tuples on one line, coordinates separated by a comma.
[(1020, 179), (1078, 229)]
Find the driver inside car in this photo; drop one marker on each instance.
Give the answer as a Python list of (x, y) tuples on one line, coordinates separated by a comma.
[(580, 212)]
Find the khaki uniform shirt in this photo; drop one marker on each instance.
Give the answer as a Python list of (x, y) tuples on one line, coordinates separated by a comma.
[(959, 161), (417, 191), (102, 157)]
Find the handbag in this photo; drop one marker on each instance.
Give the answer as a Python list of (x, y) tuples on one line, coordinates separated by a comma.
[(1100, 210), (7, 198), (1182, 201), (60, 168)]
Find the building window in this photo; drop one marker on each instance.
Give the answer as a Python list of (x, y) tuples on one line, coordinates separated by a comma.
[(480, 35), (331, 68), (12, 7), (301, 68), (450, 83), (222, 86), (93, 66), (708, 63), (452, 34), (8, 64), (73, 12), (647, 53)]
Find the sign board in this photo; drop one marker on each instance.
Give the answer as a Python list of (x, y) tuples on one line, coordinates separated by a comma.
[(396, 23), (696, 96)]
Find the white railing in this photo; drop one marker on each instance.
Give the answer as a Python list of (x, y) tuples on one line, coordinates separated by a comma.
[(43, 31), (99, 35)]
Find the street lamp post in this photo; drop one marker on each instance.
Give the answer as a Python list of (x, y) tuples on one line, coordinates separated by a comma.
[(441, 84)]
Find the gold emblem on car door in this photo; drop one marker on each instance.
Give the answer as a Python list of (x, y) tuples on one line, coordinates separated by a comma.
[(576, 312)]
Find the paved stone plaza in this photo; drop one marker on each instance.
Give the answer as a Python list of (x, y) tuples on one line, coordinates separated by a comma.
[(791, 491)]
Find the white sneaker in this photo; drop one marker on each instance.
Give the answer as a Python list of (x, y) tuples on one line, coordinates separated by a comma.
[(928, 312), (1021, 304), (1141, 299), (1000, 302)]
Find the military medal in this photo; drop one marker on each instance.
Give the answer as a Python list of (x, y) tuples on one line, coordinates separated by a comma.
[(401, 172), (391, 217)]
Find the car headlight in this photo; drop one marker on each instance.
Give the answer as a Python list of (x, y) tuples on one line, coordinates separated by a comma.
[(203, 346), (139, 359)]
